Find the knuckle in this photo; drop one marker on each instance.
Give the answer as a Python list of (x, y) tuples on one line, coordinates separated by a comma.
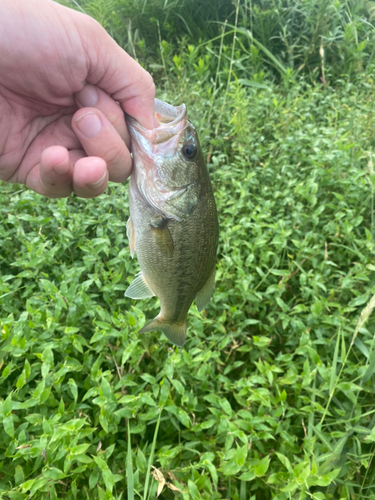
[(114, 154), (148, 83)]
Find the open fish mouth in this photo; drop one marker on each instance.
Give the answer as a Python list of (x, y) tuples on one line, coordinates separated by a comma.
[(170, 122), (167, 114), (154, 149)]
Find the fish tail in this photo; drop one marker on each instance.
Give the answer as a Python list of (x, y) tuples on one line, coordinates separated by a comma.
[(175, 332)]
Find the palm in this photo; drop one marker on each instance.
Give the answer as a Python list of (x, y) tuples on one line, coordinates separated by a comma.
[(36, 128), (44, 81)]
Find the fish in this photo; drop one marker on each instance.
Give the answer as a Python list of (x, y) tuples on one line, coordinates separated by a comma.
[(173, 225)]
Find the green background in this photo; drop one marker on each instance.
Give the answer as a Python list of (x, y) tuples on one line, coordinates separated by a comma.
[(272, 396)]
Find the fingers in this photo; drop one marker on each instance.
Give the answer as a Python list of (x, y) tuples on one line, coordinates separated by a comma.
[(99, 138), (93, 97), (119, 75), (55, 172), (53, 175), (60, 172), (101, 132), (90, 177)]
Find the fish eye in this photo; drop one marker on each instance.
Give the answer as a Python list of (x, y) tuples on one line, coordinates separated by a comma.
[(189, 150)]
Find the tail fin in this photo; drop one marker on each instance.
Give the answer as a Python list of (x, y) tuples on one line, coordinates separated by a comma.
[(175, 332)]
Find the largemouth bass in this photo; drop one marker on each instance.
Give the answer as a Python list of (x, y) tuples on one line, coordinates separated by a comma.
[(173, 226)]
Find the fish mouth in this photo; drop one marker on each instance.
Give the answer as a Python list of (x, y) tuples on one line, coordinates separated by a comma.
[(165, 114), (155, 153), (170, 122)]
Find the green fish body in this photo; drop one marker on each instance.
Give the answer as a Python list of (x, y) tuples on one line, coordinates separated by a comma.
[(173, 226)]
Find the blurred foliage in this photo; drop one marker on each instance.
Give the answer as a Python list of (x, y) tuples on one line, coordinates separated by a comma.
[(317, 38), (272, 397)]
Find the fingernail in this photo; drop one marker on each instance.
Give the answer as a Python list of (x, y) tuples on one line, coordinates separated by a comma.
[(88, 96), (89, 125), (100, 183)]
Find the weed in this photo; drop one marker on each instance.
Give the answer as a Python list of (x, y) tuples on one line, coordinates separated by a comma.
[(273, 395)]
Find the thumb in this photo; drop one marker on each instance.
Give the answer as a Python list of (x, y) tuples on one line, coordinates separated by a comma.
[(119, 75)]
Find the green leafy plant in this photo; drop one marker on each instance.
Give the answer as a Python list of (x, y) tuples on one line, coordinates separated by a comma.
[(272, 396)]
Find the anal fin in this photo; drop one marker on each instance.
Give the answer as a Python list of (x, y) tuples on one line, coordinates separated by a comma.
[(175, 332), (204, 295), (139, 288)]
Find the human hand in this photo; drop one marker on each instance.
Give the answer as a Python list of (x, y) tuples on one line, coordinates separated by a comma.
[(62, 78)]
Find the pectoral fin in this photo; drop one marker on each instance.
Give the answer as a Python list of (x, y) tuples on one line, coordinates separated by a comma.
[(175, 332), (131, 236), (163, 237), (139, 289), (203, 296)]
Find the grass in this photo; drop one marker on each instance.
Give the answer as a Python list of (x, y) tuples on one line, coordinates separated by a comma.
[(273, 395)]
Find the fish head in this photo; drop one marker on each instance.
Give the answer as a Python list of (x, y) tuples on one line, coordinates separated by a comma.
[(168, 161)]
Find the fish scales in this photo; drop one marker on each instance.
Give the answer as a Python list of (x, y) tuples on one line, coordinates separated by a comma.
[(173, 225), (177, 279)]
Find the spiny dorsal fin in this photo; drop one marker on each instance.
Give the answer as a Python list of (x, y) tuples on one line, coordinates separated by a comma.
[(139, 289), (131, 236), (203, 296), (175, 332), (163, 237)]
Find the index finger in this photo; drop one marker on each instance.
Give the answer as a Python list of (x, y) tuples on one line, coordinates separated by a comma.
[(118, 74)]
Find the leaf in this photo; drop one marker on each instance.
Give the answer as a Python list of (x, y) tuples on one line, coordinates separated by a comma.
[(7, 406), (73, 388), (81, 448), (19, 476), (21, 380), (371, 437), (108, 479), (151, 457), (370, 369), (250, 83), (247, 476), (241, 454), (178, 386), (100, 462), (224, 403), (103, 421), (129, 467), (304, 474), (193, 490), (158, 476), (334, 364), (9, 426), (183, 417), (359, 301), (53, 473), (93, 479), (173, 487), (230, 468), (285, 461), (261, 468), (212, 470), (290, 488), (145, 399), (141, 460)]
